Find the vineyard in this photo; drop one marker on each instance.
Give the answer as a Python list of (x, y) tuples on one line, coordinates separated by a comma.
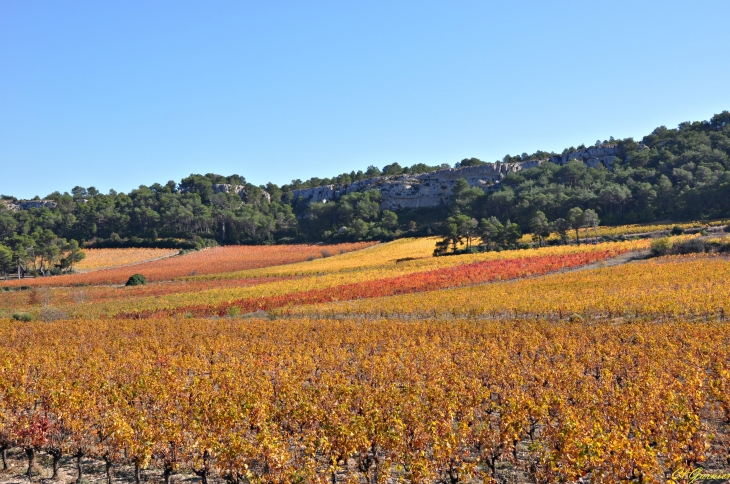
[(634, 229), (370, 364), (210, 261), (324, 400), (106, 258), (377, 271), (692, 286)]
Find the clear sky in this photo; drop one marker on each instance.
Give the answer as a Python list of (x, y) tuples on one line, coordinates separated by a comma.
[(115, 94)]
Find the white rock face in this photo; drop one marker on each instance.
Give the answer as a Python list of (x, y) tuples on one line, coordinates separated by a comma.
[(28, 204), (228, 188), (239, 190), (418, 191), (593, 156), (432, 189)]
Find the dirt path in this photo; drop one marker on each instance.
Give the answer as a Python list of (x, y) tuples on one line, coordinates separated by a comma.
[(614, 261)]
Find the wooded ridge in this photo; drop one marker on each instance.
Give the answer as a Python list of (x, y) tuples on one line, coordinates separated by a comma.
[(676, 174)]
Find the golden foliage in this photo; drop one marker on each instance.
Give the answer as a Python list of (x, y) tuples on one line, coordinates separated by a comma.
[(286, 400), (689, 286), (105, 258)]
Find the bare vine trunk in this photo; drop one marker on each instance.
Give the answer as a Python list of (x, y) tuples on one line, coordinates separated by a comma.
[(108, 468), (79, 469), (30, 452), (56, 454), (205, 471), (375, 465), (4, 454), (167, 473)]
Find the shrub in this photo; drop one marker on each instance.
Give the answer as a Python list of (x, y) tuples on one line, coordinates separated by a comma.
[(661, 246), (136, 280), (692, 246), (677, 230), (576, 318), (26, 317)]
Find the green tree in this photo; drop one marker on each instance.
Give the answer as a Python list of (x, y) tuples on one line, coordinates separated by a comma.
[(6, 260), (23, 248), (561, 227), (512, 233), (372, 172), (466, 227), (442, 247), (72, 254), (491, 232), (453, 236), (540, 227), (573, 172), (359, 229), (590, 219), (469, 162), (368, 205), (48, 249), (392, 169), (576, 221), (136, 280), (458, 228), (465, 197), (389, 220), (8, 224)]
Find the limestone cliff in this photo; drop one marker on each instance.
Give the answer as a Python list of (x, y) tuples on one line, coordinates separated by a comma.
[(434, 188), (28, 204)]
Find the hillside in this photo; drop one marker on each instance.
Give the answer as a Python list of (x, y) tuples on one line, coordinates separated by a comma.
[(671, 174)]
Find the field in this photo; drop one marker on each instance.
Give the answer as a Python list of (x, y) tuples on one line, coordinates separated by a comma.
[(378, 271), (209, 261), (362, 363), (634, 229), (107, 258), (692, 286)]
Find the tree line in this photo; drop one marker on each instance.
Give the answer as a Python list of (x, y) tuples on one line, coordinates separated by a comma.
[(678, 174), (39, 253)]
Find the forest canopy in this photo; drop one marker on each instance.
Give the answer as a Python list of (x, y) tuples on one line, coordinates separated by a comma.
[(678, 174)]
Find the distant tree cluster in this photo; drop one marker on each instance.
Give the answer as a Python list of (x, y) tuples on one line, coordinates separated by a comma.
[(39, 253), (355, 216)]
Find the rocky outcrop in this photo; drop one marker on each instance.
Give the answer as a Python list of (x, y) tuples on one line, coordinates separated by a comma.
[(593, 156), (239, 190), (28, 204), (434, 188), (418, 191)]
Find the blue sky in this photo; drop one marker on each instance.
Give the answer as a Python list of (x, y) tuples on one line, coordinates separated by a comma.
[(118, 94)]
